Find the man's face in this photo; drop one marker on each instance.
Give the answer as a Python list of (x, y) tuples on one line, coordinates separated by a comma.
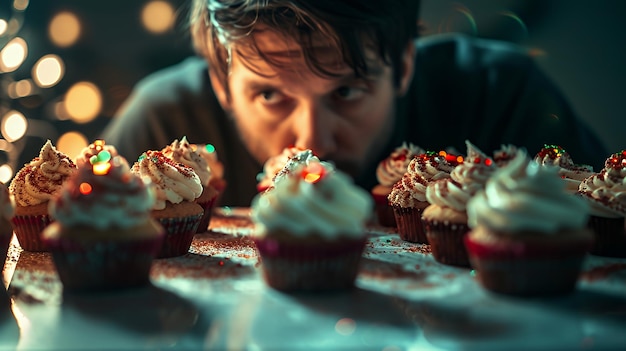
[(342, 119)]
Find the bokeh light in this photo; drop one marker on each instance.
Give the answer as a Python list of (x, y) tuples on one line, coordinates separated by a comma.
[(13, 125), (13, 54), (158, 16), (72, 143), (83, 102), (48, 71), (64, 29), (3, 26), (20, 5), (6, 173), (20, 88), (345, 326)]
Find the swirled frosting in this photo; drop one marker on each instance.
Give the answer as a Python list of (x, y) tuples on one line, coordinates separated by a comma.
[(7, 206), (115, 198), (504, 154), (522, 197), (84, 158), (41, 179), (606, 191), (556, 156), (410, 191), (275, 164), (465, 181), (391, 169), (173, 181), (209, 154), (182, 152), (313, 200)]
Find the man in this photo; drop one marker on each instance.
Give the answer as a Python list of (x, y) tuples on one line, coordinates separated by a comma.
[(346, 79)]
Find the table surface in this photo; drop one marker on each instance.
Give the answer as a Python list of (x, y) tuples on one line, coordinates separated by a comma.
[(214, 298)]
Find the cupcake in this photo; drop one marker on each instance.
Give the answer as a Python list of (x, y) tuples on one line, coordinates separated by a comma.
[(309, 229), (32, 187), (408, 195), (177, 188), (7, 209), (504, 154), (275, 164), (182, 152), (445, 219), (217, 181), (556, 156), (103, 236), (92, 150), (389, 171), (528, 234), (606, 194)]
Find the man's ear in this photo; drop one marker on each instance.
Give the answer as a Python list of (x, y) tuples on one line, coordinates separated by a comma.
[(407, 66), (220, 91)]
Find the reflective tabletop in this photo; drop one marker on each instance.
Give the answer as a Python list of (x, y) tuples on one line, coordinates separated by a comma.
[(214, 298)]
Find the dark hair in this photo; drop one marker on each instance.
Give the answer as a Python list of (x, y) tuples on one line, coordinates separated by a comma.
[(351, 27)]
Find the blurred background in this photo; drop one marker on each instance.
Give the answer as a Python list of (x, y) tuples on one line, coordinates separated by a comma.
[(67, 65)]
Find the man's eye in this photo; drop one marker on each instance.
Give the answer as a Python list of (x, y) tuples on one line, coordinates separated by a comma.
[(349, 93), (271, 97)]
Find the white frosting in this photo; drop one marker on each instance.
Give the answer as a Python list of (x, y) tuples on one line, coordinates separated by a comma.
[(606, 191), (525, 196), (173, 181), (182, 152), (118, 199), (391, 169), (41, 179), (331, 207)]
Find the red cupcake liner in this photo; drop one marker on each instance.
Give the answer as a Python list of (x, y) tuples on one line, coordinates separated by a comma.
[(528, 269), (179, 233), (610, 236), (384, 212), (207, 206), (105, 265), (28, 231), (306, 267), (447, 242), (409, 223)]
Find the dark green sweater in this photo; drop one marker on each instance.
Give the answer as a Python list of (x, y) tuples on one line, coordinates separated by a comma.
[(464, 88)]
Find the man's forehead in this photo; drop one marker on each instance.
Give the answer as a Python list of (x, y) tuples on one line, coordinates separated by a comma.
[(286, 51)]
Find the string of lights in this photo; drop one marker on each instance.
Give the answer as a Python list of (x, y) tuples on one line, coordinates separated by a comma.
[(34, 98)]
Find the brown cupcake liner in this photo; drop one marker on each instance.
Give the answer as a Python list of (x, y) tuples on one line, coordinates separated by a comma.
[(179, 233), (101, 266), (322, 267), (447, 242), (205, 220), (409, 223), (28, 231), (609, 235)]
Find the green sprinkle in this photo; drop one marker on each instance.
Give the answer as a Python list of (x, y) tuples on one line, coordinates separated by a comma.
[(209, 148)]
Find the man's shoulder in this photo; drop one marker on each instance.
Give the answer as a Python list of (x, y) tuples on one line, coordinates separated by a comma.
[(453, 50), (188, 77)]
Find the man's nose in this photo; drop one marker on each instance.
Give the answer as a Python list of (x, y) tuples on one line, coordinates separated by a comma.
[(314, 129)]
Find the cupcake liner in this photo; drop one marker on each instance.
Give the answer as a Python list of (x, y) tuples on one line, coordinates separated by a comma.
[(179, 233), (97, 266), (527, 269), (28, 231), (307, 267), (609, 235), (384, 212), (207, 206), (409, 223), (446, 242)]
